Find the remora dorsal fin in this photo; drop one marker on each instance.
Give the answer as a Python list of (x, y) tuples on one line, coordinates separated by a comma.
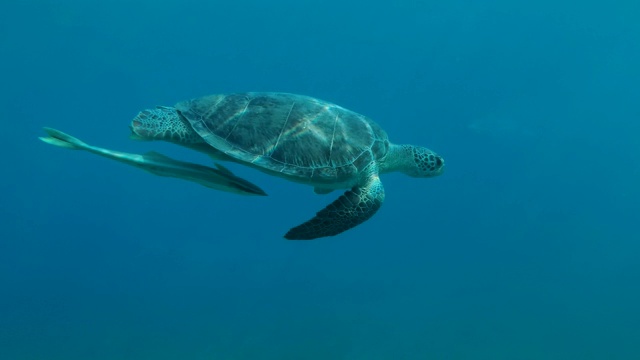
[(152, 155), (223, 169)]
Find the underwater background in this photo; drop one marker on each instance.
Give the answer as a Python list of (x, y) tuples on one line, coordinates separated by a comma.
[(527, 246)]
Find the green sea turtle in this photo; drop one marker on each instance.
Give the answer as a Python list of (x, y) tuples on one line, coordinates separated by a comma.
[(298, 138)]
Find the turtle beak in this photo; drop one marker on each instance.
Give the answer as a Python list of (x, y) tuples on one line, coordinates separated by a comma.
[(440, 163)]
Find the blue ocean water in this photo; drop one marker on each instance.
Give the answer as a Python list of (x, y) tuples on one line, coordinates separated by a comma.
[(525, 248)]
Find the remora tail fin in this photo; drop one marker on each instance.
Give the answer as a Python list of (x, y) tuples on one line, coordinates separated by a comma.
[(58, 138)]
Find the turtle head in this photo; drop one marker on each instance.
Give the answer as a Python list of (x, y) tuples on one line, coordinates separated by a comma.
[(162, 123), (416, 161)]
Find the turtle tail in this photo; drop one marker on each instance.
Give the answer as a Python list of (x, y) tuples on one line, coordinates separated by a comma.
[(58, 138)]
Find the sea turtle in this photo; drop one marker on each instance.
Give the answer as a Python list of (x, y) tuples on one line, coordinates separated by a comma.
[(298, 138)]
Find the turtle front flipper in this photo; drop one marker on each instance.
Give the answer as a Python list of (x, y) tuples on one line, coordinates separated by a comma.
[(349, 210)]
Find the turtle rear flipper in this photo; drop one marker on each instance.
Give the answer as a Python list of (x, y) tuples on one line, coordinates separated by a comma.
[(349, 210)]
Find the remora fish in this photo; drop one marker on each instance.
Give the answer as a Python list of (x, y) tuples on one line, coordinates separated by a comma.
[(219, 178)]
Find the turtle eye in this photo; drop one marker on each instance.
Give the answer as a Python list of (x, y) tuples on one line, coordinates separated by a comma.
[(438, 161)]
